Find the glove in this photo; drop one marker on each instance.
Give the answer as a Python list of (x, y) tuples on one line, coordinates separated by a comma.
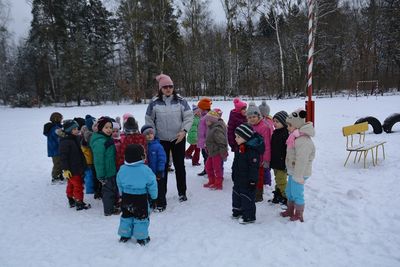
[(265, 164), (159, 175), (252, 185), (153, 204), (66, 174)]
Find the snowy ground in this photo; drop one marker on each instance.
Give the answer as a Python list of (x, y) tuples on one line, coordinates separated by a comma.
[(351, 217)]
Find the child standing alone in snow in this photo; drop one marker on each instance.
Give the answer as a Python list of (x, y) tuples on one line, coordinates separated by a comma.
[(73, 164), (299, 157), (245, 173), (136, 182), (53, 142)]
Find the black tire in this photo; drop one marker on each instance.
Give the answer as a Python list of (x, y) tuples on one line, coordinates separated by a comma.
[(374, 122), (390, 121)]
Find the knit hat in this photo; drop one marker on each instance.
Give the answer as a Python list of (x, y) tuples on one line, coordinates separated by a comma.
[(56, 117), (115, 125), (89, 121), (126, 116), (69, 125), (264, 109), (297, 118), (253, 110), (164, 80), (212, 116), (281, 117), (131, 126), (219, 111), (102, 122), (245, 131), (134, 153), (239, 105), (205, 103), (146, 129), (80, 121)]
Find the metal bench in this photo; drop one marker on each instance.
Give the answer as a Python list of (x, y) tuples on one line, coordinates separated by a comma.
[(355, 142)]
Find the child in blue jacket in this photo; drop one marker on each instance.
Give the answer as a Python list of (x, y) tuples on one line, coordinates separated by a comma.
[(53, 142), (156, 159), (137, 187)]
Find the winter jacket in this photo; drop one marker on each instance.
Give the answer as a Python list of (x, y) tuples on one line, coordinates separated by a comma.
[(53, 140), (202, 131), (299, 158), (71, 155), (192, 135), (137, 179), (136, 182), (247, 161), (216, 141), (265, 131), (235, 119), (156, 157), (168, 116), (103, 150), (278, 148), (135, 138)]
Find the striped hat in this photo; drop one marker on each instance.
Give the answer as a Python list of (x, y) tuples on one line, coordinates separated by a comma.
[(281, 117), (245, 131)]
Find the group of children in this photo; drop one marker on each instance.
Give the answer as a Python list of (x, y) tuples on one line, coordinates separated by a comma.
[(124, 168), (260, 143)]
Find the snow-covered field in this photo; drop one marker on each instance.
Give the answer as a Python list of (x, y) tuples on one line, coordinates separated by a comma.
[(351, 217)]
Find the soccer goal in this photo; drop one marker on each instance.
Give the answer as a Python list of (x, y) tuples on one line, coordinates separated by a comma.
[(367, 88)]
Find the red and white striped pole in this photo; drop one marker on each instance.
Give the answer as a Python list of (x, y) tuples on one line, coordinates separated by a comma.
[(310, 102)]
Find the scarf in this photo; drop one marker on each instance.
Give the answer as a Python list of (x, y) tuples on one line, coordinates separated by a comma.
[(292, 137)]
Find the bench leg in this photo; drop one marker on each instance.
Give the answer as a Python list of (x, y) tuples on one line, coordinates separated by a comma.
[(365, 156), (348, 156), (383, 151), (373, 159), (359, 158), (376, 155)]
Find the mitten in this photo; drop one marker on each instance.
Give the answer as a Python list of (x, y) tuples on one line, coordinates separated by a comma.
[(159, 175), (66, 174), (153, 203)]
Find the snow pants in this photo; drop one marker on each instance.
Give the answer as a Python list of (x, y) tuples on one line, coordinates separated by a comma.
[(75, 187), (214, 170), (129, 227), (196, 155), (110, 195), (295, 191), (243, 202), (280, 181), (56, 171)]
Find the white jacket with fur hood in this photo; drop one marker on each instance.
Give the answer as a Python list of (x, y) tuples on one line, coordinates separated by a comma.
[(299, 158)]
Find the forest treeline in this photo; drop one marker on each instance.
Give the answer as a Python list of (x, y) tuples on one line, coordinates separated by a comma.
[(81, 51)]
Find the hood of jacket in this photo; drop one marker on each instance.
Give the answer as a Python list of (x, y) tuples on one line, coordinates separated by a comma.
[(257, 143), (307, 129)]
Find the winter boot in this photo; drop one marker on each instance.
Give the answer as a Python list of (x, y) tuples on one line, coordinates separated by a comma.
[(259, 194), (298, 213), (143, 242), (80, 205), (124, 239), (242, 220), (218, 184), (289, 212), (277, 196), (211, 182), (71, 202), (202, 173), (283, 200)]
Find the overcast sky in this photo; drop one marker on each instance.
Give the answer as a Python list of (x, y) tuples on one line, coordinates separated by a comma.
[(21, 16)]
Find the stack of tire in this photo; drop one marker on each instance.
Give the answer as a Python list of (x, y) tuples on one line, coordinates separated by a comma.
[(376, 124)]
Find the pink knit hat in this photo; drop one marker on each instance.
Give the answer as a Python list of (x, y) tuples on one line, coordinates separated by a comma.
[(239, 105), (126, 116), (164, 80)]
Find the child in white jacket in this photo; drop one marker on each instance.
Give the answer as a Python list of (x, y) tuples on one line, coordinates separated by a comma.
[(299, 157)]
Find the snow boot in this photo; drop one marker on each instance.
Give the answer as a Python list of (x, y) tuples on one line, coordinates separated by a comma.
[(143, 242), (71, 202), (277, 196), (211, 182), (289, 212), (242, 220), (218, 184), (182, 198), (298, 213), (80, 205), (124, 239), (202, 173), (259, 194)]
